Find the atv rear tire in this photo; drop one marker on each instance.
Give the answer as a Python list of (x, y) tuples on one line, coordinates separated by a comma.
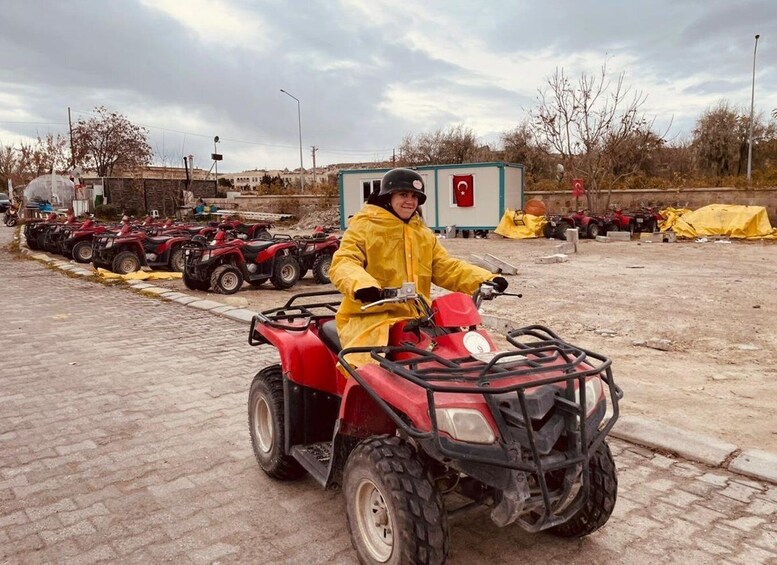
[(194, 284), (226, 279), (394, 511), (265, 423), (611, 227), (82, 252), (177, 260), (321, 268), (601, 497), (125, 262), (594, 230), (286, 272), (549, 231)]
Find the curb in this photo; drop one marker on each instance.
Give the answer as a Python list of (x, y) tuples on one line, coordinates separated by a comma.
[(711, 451)]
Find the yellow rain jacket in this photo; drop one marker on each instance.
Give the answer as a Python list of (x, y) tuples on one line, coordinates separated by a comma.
[(378, 249)]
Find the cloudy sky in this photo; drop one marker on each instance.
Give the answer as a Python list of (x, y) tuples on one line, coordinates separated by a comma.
[(367, 72)]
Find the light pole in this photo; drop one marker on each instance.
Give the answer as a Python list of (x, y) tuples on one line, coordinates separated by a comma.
[(299, 121), (752, 106)]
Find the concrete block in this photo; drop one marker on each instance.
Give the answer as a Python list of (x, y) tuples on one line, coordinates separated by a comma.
[(486, 264), (548, 259), (566, 248), (665, 237), (573, 236), (619, 236), (507, 268), (690, 445), (646, 236), (756, 463), (602, 238)]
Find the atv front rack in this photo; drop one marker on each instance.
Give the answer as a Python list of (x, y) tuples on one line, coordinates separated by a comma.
[(542, 373)]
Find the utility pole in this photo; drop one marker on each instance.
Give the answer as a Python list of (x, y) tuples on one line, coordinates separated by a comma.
[(314, 148), (752, 104), (393, 158), (72, 154)]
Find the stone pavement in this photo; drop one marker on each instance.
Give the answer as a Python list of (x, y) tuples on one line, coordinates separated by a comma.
[(123, 438)]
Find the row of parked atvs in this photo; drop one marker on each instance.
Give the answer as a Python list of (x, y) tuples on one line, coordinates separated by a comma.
[(218, 256), (591, 225)]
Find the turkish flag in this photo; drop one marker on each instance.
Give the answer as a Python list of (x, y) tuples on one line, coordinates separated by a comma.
[(463, 190), (578, 187)]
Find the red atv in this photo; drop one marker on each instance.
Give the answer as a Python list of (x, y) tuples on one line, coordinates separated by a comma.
[(315, 253), (647, 220), (620, 221), (224, 265), (129, 250), (441, 414), (77, 240), (587, 225)]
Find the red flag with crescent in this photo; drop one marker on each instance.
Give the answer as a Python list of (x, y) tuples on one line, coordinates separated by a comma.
[(463, 190), (578, 188)]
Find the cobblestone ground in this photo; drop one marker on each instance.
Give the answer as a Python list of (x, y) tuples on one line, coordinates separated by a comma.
[(123, 438)]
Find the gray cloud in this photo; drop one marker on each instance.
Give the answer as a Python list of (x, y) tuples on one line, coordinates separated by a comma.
[(341, 61)]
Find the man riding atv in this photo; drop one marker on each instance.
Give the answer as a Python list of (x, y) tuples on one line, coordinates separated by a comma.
[(387, 244)]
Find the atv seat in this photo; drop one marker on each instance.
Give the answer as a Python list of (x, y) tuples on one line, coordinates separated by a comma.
[(252, 248), (328, 335), (158, 240)]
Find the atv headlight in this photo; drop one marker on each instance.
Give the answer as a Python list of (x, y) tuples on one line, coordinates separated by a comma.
[(593, 391), (109, 243), (464, 424)]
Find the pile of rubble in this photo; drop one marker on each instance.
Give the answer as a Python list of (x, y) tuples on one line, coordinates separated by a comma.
[(327, 217)]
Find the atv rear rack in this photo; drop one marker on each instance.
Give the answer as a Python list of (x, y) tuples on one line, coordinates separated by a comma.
[(288, 316)]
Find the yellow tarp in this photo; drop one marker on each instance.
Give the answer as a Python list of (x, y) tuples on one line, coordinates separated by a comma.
[(741, 222), (140, 275), (517, 225), (670, 217)]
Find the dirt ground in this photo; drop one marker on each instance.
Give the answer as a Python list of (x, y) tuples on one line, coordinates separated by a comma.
[(715, 303)]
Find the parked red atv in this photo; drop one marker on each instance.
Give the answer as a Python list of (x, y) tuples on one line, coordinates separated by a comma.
[(129, 250), (224, 265), (77, 240), (441, 414), (588, 225), (647, 220), (620, 221), (315, 254)]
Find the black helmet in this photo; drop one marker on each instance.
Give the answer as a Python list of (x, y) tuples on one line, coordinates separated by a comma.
[(397, 180)]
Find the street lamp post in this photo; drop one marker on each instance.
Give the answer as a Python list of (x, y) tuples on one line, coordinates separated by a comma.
[(752, 106), (299, 121)]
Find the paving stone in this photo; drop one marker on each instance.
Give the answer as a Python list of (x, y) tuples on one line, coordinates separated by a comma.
[(142, 454)]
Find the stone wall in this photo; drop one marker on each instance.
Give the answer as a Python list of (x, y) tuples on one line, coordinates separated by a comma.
[(143, 195), (693, 198), (298, 206)]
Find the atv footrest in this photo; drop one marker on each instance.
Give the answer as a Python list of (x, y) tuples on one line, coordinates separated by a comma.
[(315, 458)]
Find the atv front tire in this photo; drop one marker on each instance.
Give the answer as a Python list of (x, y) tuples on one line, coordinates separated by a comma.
[(601, 497), (594, 230), (82, 252), (321, 269), (226, 279), (265, 422), (394, 511), (194, 284), (125, 262), (286, 272)]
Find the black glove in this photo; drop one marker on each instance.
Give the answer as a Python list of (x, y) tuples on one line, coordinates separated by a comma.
[(368, 295), (499, 283)]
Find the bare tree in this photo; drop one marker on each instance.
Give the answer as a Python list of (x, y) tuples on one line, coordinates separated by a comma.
[(458, 144), (591, 124), (522, 146), (110, 142)]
